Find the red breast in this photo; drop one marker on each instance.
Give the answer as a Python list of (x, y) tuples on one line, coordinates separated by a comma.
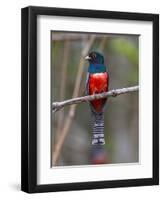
[(98, 83)]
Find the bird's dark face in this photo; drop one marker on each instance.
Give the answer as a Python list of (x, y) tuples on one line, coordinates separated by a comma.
[(95, 57)]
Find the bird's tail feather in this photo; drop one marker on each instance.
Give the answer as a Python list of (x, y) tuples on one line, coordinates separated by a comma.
[(98, 128)]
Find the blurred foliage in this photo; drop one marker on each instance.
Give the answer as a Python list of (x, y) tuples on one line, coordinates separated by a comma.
[(125, 48), (121, 54)]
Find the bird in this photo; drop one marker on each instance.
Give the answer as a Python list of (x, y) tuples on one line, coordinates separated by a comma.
[(97, 81)]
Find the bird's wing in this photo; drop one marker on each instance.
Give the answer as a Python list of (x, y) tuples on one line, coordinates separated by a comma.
[(87, 89), (108, 79), (87, 84)]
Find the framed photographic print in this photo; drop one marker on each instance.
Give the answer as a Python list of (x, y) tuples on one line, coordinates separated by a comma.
[(90, 99)]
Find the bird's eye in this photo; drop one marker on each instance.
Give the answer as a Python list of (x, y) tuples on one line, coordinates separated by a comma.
[(93, 55)]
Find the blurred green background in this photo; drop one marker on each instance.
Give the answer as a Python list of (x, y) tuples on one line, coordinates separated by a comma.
[(121, 114)]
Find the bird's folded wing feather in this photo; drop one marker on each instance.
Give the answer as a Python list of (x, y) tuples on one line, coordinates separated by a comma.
[(87, 84)]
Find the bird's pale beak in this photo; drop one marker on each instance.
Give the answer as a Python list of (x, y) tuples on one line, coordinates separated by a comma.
[(87, 58)]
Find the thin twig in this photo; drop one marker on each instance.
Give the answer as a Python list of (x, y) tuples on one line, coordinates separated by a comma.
[(112, 93), (102, 44), (63, 83)]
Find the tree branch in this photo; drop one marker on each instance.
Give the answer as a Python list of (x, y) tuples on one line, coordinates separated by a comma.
[(112, 93)]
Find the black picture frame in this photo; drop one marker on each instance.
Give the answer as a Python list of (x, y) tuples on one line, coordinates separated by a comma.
[(29, 98)]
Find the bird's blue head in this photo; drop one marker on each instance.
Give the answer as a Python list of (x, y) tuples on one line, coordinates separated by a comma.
[(95, 58), (96, 62)]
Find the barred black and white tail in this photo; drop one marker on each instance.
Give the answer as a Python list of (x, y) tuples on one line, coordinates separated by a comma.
[(98, 128)]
